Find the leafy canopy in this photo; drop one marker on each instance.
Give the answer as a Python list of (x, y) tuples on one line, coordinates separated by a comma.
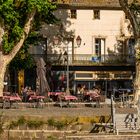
[(13, 16)]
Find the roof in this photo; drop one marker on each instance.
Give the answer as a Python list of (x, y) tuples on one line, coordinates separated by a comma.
[(91, 3)]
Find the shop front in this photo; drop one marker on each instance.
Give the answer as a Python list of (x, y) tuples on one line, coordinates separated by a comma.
[(107, 81)]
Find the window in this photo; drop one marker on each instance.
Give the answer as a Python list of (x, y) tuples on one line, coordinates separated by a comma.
[(73, 14), (119, 47), (98, 46), (125, 76), (98, 50), (126, 17), (96, 14), (103, 75), (84, 75), (131, 44)]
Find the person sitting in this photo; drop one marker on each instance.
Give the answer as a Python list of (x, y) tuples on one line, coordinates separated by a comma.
[(29, 93), (95, 95), (86, 95), (24, 93), (79, 93)]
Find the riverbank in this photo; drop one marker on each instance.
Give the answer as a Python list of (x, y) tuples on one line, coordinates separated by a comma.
[(56, 123)]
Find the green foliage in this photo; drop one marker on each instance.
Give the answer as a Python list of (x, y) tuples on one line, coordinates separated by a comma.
[(7, 47), (14, 14), (23, 60), (60, 124), (1, 123), (51, 122), (138, 54), (19, 122), (135, 6), (34, 123), (12, 124), (51, 138), (22, 121)]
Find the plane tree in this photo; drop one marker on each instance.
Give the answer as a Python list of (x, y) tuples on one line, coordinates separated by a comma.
[(132, 10), (19, 22)]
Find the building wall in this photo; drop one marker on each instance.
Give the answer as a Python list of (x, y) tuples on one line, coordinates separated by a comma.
[(110, 26)]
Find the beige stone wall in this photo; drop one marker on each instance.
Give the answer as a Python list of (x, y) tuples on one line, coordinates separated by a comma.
[(42, 135), (110, 26)]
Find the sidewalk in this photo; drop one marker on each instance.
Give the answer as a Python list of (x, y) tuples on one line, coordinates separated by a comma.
[(77, 110)]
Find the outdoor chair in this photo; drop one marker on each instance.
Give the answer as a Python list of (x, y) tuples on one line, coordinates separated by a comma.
[(96, 59), (6, 102), (6, 93), (97, 99), (124, 99), (36, 101), (1, 102), (80, 97), (103, 126), (14, 100), (131, 121), (130, 99), (102, 98), (65, 100)]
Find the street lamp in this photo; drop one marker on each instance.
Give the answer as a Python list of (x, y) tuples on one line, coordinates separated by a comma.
[(78, 40), (66, 56), (57, 41)]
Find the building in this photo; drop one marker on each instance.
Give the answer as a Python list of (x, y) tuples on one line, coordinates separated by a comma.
[(98, 38), (105, 55)]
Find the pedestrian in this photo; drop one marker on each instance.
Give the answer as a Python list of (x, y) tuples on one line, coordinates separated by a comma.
[(95, 95), (24, 94)]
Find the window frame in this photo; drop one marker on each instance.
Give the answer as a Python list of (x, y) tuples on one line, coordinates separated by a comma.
[(73, 14), (96, 14), (98, 47)]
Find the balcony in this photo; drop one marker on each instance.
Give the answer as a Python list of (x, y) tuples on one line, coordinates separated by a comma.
[(90, 60)]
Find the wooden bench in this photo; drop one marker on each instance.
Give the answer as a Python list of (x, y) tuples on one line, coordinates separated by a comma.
[(103, 126)]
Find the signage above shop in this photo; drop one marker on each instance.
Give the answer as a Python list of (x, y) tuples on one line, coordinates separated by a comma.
[(112, 75)]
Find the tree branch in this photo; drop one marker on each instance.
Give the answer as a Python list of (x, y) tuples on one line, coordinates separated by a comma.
[(125, 6), (26, 30), (1, 36)]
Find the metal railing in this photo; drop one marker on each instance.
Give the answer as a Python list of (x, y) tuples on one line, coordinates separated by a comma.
[(88, 59)]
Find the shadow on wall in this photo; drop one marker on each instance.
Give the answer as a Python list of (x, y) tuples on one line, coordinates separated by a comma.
[(57, 29)]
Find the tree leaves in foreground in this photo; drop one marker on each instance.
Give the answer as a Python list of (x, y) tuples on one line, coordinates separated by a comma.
[(13, 17)]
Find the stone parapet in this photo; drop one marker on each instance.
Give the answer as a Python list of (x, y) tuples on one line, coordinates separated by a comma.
[(61, 135)]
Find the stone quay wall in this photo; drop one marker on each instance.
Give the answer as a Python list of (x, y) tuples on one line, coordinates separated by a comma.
[(60, 135)]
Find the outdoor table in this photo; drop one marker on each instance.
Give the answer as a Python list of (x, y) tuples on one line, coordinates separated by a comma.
[(6, 93), (37, 99), (65, 100), (10, 100), (55, 93), (124, 95), (70, 98), (15, 98), (94, 97), (31, 93)]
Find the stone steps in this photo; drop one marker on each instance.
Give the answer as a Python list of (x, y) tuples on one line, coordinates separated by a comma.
[(126, 122)]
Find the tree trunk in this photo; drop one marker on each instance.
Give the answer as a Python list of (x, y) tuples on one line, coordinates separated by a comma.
[(6, 59), (2, 73), (137, 83), (137, 78)]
